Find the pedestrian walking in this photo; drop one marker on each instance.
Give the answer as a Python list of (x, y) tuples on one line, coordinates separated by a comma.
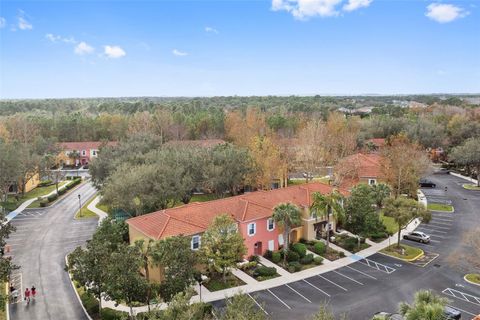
[(27, 295), (33, 292)]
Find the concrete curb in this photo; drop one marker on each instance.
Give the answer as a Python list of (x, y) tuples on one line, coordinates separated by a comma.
[(458, 175), (469, 184), (76, 293), (471, 282), (443, 211)]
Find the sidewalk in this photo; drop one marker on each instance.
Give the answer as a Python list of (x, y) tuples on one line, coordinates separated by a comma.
[(93, 207), (463, 177)]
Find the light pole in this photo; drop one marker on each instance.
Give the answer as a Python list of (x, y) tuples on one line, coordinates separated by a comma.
[(80, 204)]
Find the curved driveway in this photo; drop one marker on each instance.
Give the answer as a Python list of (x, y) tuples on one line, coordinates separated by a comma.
[(379, 283), (39, 246)]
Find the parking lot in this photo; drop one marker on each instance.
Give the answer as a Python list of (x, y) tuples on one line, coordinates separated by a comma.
[(380, 282)]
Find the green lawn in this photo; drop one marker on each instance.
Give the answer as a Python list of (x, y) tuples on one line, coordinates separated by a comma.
[(85, 213), (474, 277), (389, 223), (13, 203), (203, 197), (440, 207), (103, 207), (410, 252), (471, 187)]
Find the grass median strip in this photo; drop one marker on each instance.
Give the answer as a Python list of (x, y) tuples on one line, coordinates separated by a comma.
[(471, 187), (404, 252), (473, 277), (85, 213), (440, 207)]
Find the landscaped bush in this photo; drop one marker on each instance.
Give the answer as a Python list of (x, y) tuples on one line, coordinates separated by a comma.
[(52, 197), (268, 255), (307, 259), (61, 192), (276, 257), (248, 265), (300, 248), (294, 266), (110, 314), (319, 248), (90, 303), (73, 183), (263, 271), (292, 256), (318, 260), (45, 183), (378, 236), (43, 203), (341, 254), (254, 258)]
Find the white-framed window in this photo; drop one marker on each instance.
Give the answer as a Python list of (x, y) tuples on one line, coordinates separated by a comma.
[(270, 224), (372, 182), (94, 152), (84, 152), (251, 228), (196, 242)]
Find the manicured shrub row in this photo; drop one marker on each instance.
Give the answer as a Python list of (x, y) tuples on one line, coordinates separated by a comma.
[(263, 271), (90, 303), (55, 196), (110, 314), (299, 248), (45, 183), (319, 248)]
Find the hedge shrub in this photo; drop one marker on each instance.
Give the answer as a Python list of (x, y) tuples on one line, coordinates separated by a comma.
[(110, 314), (90, 303), (254, 258), (300, 248), (292, 256), (43, 203), (318, 260), (265, 271), (307, 259), (61, 192), (294, 266), (319, 248), (268, 254), (276, 257), (45, 183), (52, 197)]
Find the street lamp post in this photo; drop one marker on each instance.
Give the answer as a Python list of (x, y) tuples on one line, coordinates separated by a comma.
[(80, 204)]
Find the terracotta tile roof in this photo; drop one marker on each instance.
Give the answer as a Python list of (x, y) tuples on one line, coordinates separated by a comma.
[(360, 166), (194, 218), (85, 145), (207, 143)]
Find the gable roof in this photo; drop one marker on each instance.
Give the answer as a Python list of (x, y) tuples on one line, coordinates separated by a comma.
[(357, 166), (85, 145), (195, 217)]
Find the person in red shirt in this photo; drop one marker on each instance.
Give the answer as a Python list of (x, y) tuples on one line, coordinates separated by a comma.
[(27, 295), (33, 292)]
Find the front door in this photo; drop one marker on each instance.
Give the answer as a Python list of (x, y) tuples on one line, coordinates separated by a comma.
[(257, 250), (271, 245)]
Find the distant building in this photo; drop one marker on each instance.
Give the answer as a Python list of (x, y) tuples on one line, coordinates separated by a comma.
[(358, 168), (80, 153)]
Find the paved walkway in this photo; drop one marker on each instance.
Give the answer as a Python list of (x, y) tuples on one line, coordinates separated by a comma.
[(93, 207)]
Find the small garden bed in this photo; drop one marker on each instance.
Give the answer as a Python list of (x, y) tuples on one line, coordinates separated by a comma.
[(350, 243), (216, 283), (85, 213), (440, 207), (404, 252), (320, 248), (473, 277), (297, 258), (258, 271), (471, 187)]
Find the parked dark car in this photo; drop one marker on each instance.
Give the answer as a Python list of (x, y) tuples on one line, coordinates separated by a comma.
[(451, 313), (424, 183), (417, 236)]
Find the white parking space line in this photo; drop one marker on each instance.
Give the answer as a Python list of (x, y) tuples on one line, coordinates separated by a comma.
[(273, 294), (376, 265), (332, 282), (314, 286), (442, 227), (434, 222), (464, 311), (259, 305), (301, 295), (348, 278), (365, 274), (434, 241), (462, 296), (433, 230), (442, 219)]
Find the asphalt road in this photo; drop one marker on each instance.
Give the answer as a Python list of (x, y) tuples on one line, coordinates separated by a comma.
[(381, 282), (39, 246)]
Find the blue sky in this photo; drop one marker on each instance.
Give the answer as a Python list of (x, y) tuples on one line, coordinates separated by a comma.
[(204, 48)]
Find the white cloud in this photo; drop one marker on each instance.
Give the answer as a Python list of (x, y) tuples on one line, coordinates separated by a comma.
[(83, 48), (179, 53), (304, 9), (3, 22), (211, 30), (52, 37), (444, 13), (55, 38), (69, 40), (114, 52), (356, 4), (23, 24)]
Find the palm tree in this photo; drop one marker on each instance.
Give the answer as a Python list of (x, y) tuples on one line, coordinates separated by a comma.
[(287, 215), (426, 306), (326, 206)]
